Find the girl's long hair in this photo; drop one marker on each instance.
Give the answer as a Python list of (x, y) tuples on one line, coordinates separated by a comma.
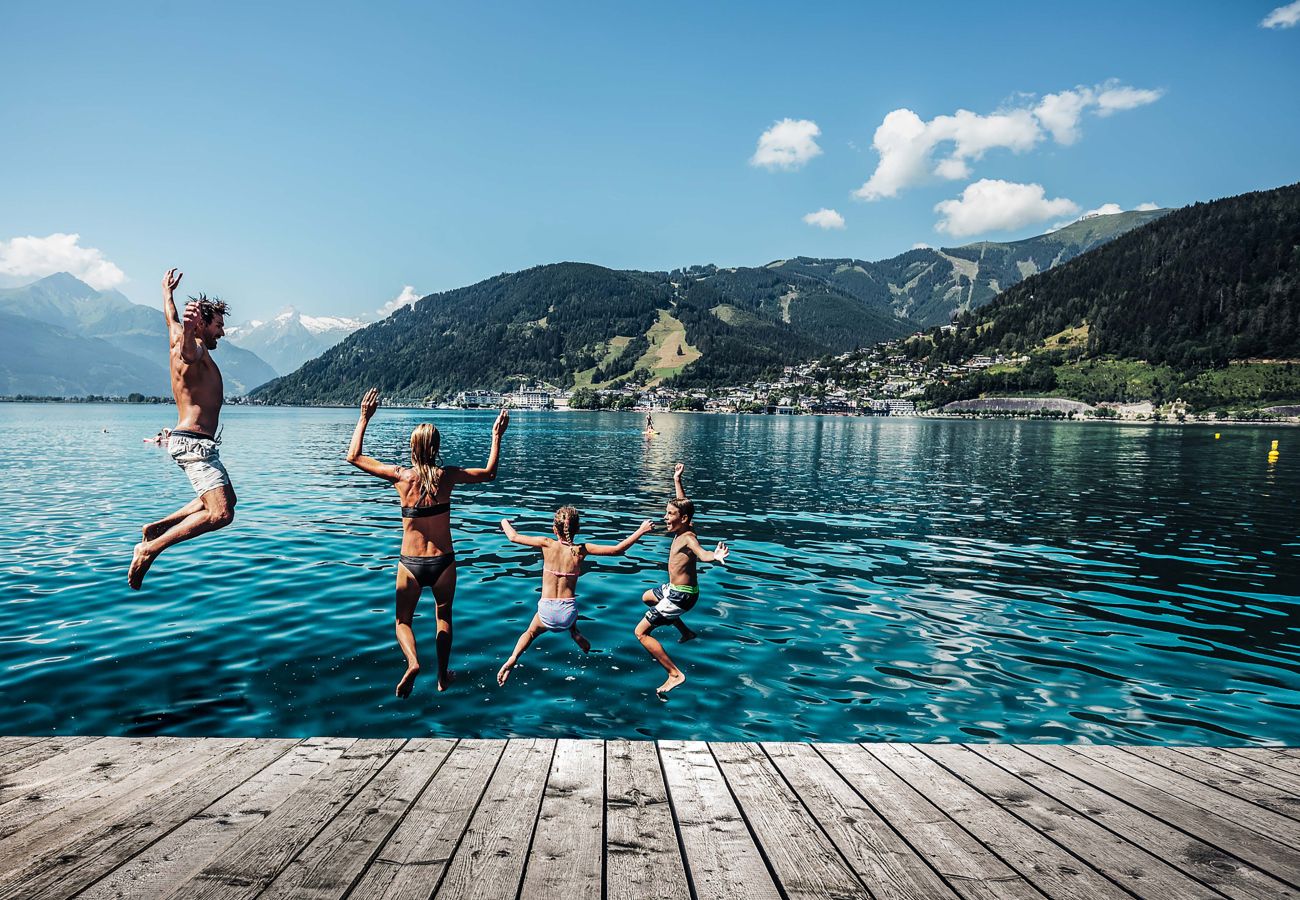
[(425, 460), (566, 526)]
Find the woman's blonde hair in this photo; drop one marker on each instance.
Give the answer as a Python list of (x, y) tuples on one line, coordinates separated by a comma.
[(566, 523), (425, 460)]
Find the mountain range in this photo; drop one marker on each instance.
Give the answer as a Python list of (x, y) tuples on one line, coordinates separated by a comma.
[(61, 337), (581, 324), (291, 338)]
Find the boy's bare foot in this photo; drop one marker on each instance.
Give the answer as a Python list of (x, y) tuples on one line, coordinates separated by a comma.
[(444, 683), (141, 560), (408, 682), (676, 680), (503, 673), (583, 642), (686, 635)]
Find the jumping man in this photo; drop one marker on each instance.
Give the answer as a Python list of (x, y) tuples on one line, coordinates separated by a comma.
[(196, 385)]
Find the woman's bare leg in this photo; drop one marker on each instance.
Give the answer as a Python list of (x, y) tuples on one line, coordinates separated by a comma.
[(444, 592), (656, 650), (408, 595), (535, 628)]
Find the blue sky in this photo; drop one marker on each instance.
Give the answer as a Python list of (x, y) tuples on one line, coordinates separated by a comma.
[(327, 156)]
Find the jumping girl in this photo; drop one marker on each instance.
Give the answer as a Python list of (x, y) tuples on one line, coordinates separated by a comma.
[(557, 610), (427, 559)]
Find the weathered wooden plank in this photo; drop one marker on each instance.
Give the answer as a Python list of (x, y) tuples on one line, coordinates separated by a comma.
[(722, 858), (1225, 873), (1052, 869), (643, 860), (116, 834), (804, 859), (1270, 788), (1269, 757), (1140, 763), (567, 856), (77, 772), (1126, 864), (328, 866), (57, 809), (8, 743), (968, 867), (1182, 813), (490, 860), (258, 855), (883, 860), (412, 861), (182, 854), (36, 753)]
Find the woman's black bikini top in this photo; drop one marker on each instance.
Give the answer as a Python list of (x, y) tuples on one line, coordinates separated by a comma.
[(421, 512)]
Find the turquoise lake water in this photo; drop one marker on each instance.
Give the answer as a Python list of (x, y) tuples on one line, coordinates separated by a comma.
[(891, 579)]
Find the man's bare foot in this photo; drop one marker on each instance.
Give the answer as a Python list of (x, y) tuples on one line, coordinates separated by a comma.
[(408, 682), (504, 672), (583, 642), (686, 635), (152, 530), (444, 683), (673, 681), (141, 560)]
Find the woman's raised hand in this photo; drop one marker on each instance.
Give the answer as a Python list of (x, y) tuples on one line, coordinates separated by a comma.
[(647, 526), (369, 403), (502, 422)]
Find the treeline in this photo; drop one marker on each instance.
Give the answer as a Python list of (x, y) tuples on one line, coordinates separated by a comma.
[(1194, 289)]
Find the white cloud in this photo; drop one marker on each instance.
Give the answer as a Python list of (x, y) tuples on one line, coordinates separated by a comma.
[(1282, 17), (907, 144), (1146, 207), (921, 245), (993, 205), (407, 297), (37, 257), (788, 144), (1117, 98), (825, 218)]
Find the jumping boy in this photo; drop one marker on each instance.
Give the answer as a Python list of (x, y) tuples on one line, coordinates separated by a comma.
[(681, 592)]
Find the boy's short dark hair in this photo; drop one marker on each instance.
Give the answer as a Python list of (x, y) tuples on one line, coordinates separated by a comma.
[(211, 306), (683, 506)]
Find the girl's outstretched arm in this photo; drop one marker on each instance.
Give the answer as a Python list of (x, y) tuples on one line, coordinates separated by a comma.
[(621, 547), (369, 403), (516, 538), (489, 471), (719, 554)]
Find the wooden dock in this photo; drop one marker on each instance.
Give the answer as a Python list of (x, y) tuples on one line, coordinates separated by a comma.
[(109, 817)]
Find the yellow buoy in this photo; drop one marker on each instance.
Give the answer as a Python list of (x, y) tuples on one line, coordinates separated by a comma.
[(1273, 454), (1273, 449), (1216, 435)]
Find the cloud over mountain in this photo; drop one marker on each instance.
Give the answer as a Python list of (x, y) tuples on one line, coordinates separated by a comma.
[(994, 205), (25, 257), (825, 219), (908, 144)]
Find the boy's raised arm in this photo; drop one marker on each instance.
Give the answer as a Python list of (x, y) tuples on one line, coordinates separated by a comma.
[(621, 547), (719, 554), (677, 481)]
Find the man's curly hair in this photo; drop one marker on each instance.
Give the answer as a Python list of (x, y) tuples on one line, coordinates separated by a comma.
[(211, 306)]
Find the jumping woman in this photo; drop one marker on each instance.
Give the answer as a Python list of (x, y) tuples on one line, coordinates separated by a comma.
[(427, 559)]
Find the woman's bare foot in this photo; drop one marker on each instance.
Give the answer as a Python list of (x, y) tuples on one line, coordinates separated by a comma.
[(444, 683), (686, 635), (408, 681), (675, 680), (141, 560), (504, 672)]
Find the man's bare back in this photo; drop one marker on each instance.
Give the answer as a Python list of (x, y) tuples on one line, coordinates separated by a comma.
[(197, 387)]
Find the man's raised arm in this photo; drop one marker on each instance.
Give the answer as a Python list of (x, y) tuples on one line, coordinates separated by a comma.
[(169, 284)]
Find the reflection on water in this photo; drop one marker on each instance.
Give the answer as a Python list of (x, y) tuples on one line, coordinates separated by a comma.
[(891, 580)]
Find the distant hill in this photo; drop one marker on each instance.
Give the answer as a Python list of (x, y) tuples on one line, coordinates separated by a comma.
[(1204, 286), (291, 338), (78, 313), (929, 286), (580, 324)]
